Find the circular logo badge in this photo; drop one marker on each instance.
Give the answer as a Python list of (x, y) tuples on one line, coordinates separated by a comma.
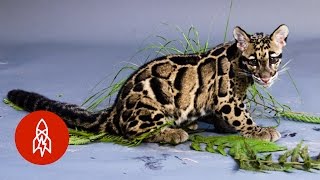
[(42, 137)]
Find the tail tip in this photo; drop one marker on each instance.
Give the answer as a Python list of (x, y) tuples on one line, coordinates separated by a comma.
[(13, 93)]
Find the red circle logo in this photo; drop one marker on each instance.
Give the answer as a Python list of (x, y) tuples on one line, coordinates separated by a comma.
[(42, 137)]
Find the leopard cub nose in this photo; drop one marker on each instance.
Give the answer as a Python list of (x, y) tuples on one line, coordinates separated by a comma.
[(265, 79)]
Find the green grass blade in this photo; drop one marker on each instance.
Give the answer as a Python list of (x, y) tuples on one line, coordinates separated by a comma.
[(187, 39), (227, 25), (11, 104), (295, 85)]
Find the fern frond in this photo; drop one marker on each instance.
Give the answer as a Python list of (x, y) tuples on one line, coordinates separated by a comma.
[(247, 153), (233, 142), (300, 116)]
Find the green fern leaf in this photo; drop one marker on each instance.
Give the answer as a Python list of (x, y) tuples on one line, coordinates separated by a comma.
[(298, 116), (235, 143), (210, 148), (221, 149), (75, 140), (284, 157)]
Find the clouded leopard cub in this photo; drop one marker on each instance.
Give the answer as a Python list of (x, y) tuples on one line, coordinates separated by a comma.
[(183, 88)]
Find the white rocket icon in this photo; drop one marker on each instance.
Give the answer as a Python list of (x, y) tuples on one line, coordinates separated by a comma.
[(42, 141)]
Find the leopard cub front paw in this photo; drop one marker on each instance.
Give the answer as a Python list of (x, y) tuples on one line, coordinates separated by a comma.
[(171, 136), (266, 134)]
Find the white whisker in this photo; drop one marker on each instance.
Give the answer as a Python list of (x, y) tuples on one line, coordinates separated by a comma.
[(283, 70), (245, 73), (286, 63)]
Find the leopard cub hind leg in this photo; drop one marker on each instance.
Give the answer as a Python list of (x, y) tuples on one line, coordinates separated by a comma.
[(144, 120)]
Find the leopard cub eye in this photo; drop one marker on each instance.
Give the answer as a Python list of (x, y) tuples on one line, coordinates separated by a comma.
[(274, 60), (253, 62)]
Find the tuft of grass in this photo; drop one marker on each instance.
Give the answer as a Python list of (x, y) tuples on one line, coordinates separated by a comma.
[(93, 101)]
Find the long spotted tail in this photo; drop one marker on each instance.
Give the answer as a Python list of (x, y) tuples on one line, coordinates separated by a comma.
[(73, 115)]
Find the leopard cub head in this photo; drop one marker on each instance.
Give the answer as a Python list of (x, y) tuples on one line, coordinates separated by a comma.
[(261, 53)]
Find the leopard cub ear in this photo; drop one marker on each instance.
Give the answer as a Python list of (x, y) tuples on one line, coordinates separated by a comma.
[(279, 36), (242, 38)]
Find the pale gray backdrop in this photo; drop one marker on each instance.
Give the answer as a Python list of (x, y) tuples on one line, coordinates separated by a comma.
[(125, 21)]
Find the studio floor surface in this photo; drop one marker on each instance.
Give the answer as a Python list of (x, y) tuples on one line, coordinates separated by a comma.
[(73, 70)]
